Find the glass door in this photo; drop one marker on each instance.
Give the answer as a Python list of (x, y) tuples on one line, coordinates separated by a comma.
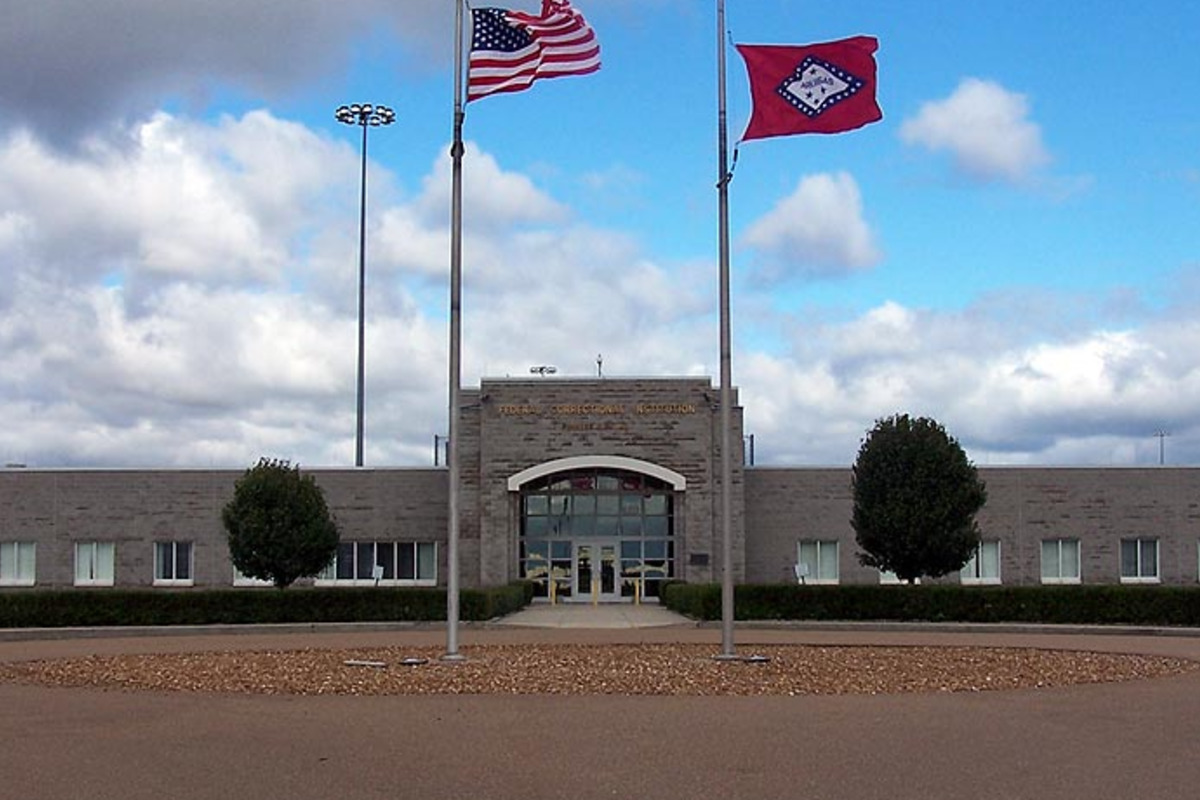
[(596, 572)]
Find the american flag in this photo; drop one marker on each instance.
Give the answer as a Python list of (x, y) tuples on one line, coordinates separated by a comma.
[(512, 49)]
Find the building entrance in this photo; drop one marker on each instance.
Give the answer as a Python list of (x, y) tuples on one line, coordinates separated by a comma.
[(595, 572), (597, 535)]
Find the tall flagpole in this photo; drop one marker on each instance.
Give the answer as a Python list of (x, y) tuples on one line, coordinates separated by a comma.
[(727, 647), (452, 461)]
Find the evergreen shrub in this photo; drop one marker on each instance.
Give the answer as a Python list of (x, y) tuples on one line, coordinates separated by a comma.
[(1177, 606), (154, 607)]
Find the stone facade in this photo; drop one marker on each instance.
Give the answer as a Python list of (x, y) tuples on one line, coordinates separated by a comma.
[(516, 429), (671, 423), (134, 509), (1099, 507)]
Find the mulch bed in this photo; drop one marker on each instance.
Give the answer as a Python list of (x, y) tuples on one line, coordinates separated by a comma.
[(642, 669)]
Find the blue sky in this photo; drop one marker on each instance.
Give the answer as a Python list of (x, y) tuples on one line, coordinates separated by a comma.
[(1012, 250)]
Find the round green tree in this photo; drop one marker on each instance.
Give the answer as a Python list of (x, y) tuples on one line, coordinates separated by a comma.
[(915, 499), (278, 525)]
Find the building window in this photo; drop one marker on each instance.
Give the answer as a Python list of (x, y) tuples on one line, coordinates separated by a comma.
[(173, 563), (94, 563), (18, 563), (984, 566), (1139, 561), (1060, 561), (817, 562), (382, 564)]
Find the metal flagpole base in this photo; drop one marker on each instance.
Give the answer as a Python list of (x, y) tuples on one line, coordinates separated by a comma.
[(733, 657), (453, 658)]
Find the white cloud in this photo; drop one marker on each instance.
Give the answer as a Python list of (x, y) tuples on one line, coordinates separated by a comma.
[(817, 231), (177, 199), (984, 127), (219, 360), (199, 311), (1085, 397), (492, 197)]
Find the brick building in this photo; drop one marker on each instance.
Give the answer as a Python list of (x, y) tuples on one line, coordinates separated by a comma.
[(609, 486)]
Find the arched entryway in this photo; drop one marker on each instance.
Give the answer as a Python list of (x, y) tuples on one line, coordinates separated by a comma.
[(597, 529)]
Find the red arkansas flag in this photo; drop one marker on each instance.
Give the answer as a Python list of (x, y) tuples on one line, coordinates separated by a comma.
[(816, 88)]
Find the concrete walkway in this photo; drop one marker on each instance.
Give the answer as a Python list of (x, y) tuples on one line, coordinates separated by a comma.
[(594, 617)]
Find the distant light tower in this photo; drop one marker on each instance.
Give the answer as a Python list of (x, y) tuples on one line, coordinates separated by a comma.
[(1162, 438), (365, 116)]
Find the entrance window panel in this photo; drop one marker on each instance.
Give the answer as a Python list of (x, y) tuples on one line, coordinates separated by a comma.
[(560, 567), (631, 504), (536, 505), (535, 565), (656, 505), (656, 526), (536, 526), (608, 505), (631, 526), (584, 505), (608, 483), (607, 526)]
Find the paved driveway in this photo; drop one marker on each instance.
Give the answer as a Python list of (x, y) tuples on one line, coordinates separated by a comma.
[(1132, 740)]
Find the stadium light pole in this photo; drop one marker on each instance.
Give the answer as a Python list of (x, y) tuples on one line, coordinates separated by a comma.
[(366, 116)]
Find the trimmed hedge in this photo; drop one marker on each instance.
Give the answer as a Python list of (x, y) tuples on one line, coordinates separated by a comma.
[(1075, 605), (109, 607)]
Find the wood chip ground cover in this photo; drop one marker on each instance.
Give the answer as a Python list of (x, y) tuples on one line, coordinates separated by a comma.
[(646, 669)]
